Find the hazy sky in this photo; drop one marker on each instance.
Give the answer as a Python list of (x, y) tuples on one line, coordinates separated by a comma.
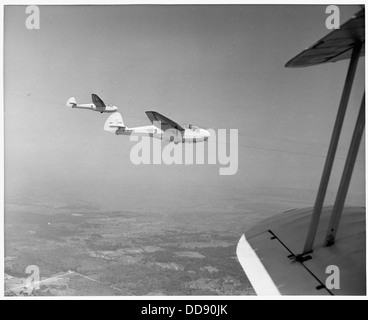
[(215, 66)]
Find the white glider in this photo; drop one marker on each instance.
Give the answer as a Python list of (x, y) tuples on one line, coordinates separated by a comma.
[(161, 128), (97, 105)]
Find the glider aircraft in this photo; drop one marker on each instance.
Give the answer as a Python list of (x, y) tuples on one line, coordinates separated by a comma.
[(162, 128), (97, 105)]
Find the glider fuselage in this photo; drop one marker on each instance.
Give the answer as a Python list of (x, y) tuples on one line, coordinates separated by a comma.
[(93, 107), (171, 135)]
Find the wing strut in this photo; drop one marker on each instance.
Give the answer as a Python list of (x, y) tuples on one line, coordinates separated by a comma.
[(346, 176), (332, 150)]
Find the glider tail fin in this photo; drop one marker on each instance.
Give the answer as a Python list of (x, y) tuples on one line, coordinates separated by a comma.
[(114, 122), (71, 102)]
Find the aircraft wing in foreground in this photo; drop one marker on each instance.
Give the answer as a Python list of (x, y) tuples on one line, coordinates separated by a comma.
[(300, 251)]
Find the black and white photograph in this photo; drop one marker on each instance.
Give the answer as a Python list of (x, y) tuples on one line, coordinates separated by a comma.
[(162, 150)]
